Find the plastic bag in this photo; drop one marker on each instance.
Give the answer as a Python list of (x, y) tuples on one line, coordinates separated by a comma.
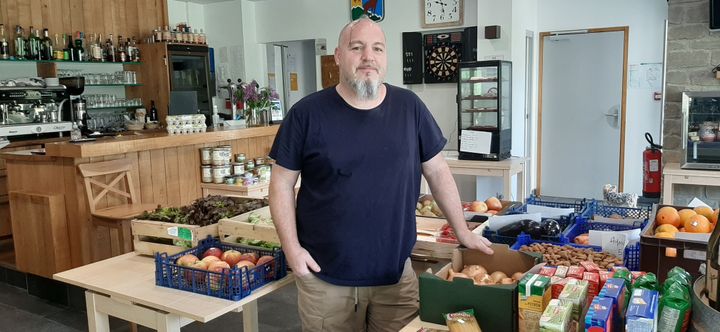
[(462, 321), (675, 308), (648, 281)]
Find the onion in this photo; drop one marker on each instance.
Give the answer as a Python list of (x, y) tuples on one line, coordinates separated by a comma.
[(452, 275), (507, 281), (473, 270), (497, 276), (480, 276), (486, 280), (517, 276)]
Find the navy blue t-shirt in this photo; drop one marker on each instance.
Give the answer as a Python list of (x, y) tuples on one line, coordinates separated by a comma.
[(360, 174)]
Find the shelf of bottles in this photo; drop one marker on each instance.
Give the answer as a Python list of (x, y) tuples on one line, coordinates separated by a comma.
[(84, 48)]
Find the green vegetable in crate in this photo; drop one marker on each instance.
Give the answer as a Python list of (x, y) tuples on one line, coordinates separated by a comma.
[(648, 281), (675, 308), (257, 219), (258, 243)]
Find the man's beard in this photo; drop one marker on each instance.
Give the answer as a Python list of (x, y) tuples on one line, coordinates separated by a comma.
[(366, 89)]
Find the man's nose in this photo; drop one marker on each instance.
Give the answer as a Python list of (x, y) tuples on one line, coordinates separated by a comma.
[(367, 54)]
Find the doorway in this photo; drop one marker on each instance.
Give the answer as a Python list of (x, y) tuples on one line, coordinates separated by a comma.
[(581, 111)]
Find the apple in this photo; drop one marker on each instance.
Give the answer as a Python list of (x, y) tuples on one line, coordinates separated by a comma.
[(265, 259), (199, 275), (210, 259), (187, 260), (245, 263), (213, 251), (249, 256), (493, 204), (267, 263), (219, 267), (231, 257), (478, 206), (249, 273)]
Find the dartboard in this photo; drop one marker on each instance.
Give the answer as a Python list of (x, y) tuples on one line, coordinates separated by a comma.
[(442, 57)]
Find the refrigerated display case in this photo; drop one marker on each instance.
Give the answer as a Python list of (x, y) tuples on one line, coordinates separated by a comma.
[(484, 110), (701, 118)]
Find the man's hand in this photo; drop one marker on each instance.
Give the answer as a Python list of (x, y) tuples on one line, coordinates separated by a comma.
[(300, 261), (474, 241)]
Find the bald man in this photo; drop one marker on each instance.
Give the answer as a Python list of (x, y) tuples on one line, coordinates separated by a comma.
[(361, 148)]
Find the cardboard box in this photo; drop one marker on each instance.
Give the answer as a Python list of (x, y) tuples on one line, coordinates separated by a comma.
[(496, 307), (576, 294), (642, 311), (533, 297), (599, 317), (615, 290), (557, 317)]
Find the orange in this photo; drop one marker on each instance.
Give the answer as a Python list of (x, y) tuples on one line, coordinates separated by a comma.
[(698, 224), (666, 228), (685, 215), (665, 235), (668, 215), (704, 211), (682, 229)]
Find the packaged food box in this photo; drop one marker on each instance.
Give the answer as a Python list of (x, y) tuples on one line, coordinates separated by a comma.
[(590, 266), (561, 271), (533, 297), (548, 271), (604, 276), (576, 272), (593, 280), (557, 286), (575, 293), (495, 307), (599, 317), (557, 317), (642, 311), (615, 290)]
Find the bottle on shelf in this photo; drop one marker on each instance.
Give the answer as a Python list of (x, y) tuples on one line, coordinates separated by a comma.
[(166, 34), (136, 51), (157, 35), (70, 49), (79, 49), (58, 53), (46, 46), (4, 48), (153, 115), (121, 53), (110, 49), (19, 43), (102, 55), (203, 38)]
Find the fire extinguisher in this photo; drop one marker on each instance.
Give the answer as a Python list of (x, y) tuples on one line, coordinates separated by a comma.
[(652, 168)]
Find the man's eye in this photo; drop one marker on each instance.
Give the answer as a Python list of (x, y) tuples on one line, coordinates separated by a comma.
[(379, 50)]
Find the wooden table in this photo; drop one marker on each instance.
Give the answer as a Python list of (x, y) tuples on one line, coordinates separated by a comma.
[(673, 174), (417, 324), (124, 287), (504, 168)]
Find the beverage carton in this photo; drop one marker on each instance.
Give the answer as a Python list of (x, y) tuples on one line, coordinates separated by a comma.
[(557, 317), (533, 298), (642, 311)]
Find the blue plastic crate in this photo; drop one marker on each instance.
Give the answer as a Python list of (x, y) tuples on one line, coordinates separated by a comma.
[(580, 206), (232, 285), (526, 240)]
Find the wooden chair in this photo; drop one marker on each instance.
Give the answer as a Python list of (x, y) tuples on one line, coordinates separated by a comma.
[(118, 184)]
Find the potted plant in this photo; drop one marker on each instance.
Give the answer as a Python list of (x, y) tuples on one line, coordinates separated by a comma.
[(257, 103)]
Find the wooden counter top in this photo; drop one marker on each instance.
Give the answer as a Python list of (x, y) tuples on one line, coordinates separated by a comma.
[(159, 139)]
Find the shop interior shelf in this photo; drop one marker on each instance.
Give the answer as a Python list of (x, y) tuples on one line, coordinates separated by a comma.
[(480, 110), (65, 61)]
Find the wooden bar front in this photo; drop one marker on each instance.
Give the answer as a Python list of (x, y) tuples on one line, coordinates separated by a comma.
[(165, 170)]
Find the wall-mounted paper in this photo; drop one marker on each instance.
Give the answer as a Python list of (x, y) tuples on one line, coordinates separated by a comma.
[(475, 141)]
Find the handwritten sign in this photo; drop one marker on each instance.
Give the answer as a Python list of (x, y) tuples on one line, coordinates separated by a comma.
[(475, 141), (614, 243)]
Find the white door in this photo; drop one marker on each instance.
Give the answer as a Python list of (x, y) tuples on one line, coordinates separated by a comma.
[(582, 113)]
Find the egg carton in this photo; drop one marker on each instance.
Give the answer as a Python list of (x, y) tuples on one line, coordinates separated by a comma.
[(186, 128), (187, 119)]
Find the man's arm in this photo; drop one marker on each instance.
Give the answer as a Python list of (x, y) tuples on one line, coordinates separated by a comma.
[(444, 191), (282, 209)]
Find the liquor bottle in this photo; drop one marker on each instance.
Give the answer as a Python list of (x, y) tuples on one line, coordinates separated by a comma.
[(110, 49), (166, 35), (19, 43), (71, 48), (46, 46), (67, 54), (130, 50), (153, 111), (97, 51), (121, 53), (713, 269), (136, 51), (4, 48), (79, 49), (58, 53)]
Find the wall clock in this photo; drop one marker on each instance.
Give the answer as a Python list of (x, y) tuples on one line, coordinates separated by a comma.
[(442, 13), (443, 52), (374, 9)]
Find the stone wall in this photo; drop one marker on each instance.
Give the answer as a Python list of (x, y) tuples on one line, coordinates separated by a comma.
[(693, 50)]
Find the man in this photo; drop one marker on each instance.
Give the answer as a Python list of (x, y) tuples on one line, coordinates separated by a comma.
[(361, 147)]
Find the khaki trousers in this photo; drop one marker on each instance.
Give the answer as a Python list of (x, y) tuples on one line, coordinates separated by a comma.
[(327, 307)]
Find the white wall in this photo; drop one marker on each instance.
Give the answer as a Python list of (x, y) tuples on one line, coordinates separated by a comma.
[(191, 13), (646, 21)]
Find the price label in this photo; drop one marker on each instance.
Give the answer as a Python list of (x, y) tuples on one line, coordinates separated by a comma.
[(185, 234), (614, 243)]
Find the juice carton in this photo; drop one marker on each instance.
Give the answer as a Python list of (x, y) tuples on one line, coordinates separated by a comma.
[(615, 289), (575, 293), (548, 271), (561, 271), (576, 272), (642, 311), (557, 317), (533, 298), (593, 280), (599, 317), (604, 276)]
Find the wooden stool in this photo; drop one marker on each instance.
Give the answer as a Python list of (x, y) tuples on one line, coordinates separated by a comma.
[(114, 201)]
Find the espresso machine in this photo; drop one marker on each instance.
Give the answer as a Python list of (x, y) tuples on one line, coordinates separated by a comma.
[(26, 110), (76, 109)]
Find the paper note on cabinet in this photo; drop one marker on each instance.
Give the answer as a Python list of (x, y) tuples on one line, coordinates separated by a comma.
[(475, 141)]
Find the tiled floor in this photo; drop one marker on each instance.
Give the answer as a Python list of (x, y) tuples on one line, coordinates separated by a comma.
[(22, 312)]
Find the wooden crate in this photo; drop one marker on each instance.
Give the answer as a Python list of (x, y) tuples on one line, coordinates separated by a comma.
[(259, 190), (426, 245), (230, 229), (143, 229)]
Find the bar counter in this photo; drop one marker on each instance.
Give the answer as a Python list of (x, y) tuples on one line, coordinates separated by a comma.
[(54, 212)]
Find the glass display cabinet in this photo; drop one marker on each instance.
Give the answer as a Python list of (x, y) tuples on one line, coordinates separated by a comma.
[(484, 110), (701, 116)]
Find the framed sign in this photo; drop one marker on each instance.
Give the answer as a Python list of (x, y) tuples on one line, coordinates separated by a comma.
[(374, 9)]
